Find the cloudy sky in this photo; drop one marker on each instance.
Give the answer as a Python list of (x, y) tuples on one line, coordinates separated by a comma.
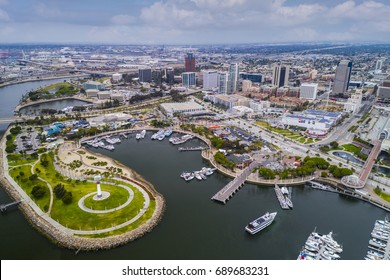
[(193, 21)]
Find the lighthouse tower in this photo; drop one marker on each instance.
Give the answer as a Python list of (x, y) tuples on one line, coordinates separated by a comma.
[(99, 190)]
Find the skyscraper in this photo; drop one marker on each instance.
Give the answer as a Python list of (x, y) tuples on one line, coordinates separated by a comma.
[(343, 75), (222, 82), (233, 78), (188, 79), (379, 65), (280, 74), (189, 62), (210, 79), (170, 76), (145, 75)]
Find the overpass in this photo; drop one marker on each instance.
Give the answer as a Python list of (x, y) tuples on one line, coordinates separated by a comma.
[(356, 182)]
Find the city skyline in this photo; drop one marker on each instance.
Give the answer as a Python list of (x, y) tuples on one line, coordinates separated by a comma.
[(194, 21)]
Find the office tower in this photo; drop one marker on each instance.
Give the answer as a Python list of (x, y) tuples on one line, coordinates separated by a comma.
[(308, 91), (189, 62), (343, 75), (210, 79), (280, 74), (188, 79), (379, 65), (145, 75), (222, 82), (157, 76), (233, 76), (170, 76)]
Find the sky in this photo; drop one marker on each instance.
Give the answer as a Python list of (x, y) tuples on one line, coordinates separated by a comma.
[(193, 21)]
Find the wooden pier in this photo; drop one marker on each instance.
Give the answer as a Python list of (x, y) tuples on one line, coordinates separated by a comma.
[(233, 186)]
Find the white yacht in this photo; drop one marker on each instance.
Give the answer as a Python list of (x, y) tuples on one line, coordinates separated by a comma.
[(260, 223)]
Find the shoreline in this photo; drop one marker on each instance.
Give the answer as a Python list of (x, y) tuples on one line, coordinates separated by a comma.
[(59, 235), (40, 79)]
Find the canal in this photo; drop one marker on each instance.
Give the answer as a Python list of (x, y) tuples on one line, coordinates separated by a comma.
[(194, 226)]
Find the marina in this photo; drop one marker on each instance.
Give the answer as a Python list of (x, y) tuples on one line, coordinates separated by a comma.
[(379, 244), (200, 175), (140, 135), (320, 247), (180, 140)]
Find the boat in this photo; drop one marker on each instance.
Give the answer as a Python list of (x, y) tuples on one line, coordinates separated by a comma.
[(210, 171), (260, 223), (284, 190), (168, 132), (161, 137), (197, 175), (189, 177), (289, 202)]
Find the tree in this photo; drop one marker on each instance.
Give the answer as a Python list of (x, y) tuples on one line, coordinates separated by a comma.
[(67, 198), (334, 145), (59, 191), (33, 177), (38, 191)]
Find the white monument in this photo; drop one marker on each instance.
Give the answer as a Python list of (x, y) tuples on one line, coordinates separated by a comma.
[(99, 190)]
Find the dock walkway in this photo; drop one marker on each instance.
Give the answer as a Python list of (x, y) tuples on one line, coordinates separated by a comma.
[(233, 186)]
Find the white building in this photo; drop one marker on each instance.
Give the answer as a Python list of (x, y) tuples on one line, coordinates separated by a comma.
[(308, 91), (183, 108), (259, 106), (210, 79), (116, 77), (354, 102), (314, 120)]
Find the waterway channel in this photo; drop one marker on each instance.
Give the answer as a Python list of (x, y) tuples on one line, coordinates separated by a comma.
[(195, 227)]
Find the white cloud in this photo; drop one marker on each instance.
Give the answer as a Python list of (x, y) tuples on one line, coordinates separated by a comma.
[(4, 15), (122, 19), (218, 4), (169, 15)]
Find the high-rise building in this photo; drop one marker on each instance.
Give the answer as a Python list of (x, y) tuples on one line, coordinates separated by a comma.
[(233, 76), (170, 76), (343, 76), (280, 74), (145, 75), (210, 79), (157, 76), (379, 65), (188, 79), (189, 62), (308, 91), (222, 82)]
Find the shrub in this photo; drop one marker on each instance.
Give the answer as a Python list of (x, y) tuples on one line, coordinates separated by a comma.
[(67, 198), (38, 191)]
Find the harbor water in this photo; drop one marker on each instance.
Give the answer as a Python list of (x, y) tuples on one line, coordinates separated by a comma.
[(194, 226)]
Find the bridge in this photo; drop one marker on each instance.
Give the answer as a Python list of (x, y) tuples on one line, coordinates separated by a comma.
[(233, 186), (3, 207), (7, 120), (356, 182)]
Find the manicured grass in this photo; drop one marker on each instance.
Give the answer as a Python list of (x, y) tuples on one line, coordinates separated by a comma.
[(382, 195), (148, 214), (118, 196), (352, 148), (27, 185)]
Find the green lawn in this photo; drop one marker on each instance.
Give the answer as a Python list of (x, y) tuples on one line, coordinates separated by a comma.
[(382, 195), (118, 196), (70, 215), (352, 148), (21, 176)]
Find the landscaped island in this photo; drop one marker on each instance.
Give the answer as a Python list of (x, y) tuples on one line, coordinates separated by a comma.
[(60, 195)]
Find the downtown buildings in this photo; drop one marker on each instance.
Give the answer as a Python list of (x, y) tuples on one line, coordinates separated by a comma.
[(343, 76)]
